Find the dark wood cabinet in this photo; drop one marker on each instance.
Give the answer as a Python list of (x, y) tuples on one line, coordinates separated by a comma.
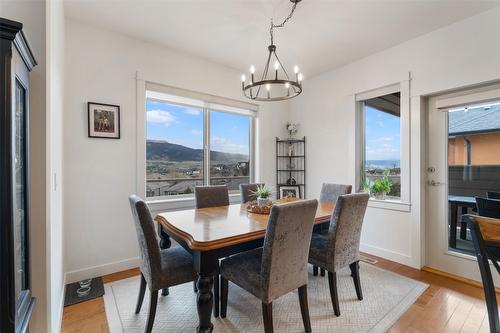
[(16, 61)]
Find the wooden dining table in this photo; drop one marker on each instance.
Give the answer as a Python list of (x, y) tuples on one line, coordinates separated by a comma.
[(210, 234)]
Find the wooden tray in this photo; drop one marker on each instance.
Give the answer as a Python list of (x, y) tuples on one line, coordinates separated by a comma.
[(253, 207)]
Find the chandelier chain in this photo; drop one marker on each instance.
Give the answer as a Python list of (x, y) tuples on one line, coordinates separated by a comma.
[(282, 24)]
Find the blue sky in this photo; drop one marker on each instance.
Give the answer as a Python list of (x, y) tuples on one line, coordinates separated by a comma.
[(184, 125), (382, 135)]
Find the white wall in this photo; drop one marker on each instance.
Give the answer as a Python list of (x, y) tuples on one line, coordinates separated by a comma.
[(32, 15), (100, 174), (462, 54), (55, 99)]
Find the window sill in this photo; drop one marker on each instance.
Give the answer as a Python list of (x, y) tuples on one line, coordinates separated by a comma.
[(389, 205), (185, 203)]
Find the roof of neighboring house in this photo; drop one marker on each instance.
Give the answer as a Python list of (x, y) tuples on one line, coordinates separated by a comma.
[(474, 120)]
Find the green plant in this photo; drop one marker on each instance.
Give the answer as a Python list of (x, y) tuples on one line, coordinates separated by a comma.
[(382, 185), (262, 192)]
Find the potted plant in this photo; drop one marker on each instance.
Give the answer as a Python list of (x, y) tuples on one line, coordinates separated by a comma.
[(262, 193), (381, 186)]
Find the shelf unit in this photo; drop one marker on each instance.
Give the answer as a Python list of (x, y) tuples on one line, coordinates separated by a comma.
[(291, 164)]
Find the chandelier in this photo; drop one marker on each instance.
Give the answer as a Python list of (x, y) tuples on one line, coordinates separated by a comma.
[(273, 85)]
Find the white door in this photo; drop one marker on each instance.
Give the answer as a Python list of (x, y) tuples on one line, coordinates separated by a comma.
[(460, 137)]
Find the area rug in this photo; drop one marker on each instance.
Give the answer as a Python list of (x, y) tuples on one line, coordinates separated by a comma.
[(386, 297)]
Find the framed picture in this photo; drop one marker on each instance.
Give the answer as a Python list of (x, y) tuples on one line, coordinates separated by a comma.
[(104, 120), (290, 192)]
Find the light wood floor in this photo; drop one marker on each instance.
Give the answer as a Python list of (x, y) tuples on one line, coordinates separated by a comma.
[(446, 306)]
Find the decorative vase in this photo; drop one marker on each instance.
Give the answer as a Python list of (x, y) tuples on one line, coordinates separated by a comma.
[(290, 149), (263, 201), (379, 196)]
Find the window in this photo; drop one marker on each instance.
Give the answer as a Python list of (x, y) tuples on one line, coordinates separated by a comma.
[(381, 147), (190, 142)]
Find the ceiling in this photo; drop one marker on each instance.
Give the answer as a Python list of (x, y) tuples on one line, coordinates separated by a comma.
[(322, 35)]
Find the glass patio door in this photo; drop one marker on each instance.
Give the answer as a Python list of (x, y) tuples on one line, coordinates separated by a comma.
[(463, 162)]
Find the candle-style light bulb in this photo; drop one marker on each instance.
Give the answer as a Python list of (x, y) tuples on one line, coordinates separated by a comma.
[(268, 87), (276, 65), (252, 69), (287, 85), (243, 78), (296, 69), (300, 77)]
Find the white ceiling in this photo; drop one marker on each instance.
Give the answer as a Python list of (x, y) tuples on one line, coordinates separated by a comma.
[(322, 35)]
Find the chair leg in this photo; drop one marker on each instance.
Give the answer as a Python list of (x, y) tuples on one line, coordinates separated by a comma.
[(224, 284), (332, 281), (322, 270), (195, 288), (152, 311), (216, 295), (315, 270), (267, 314), (355, 277), (304, 308), (142, 291)]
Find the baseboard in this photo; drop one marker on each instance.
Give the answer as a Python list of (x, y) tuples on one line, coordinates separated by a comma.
[(95, 271), (398, 257), (456, 277)]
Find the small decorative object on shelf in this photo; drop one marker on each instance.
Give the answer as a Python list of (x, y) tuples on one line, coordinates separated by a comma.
[(292, 129), (291, 165)]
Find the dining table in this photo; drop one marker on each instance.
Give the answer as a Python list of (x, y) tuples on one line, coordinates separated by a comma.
[(210, 234)]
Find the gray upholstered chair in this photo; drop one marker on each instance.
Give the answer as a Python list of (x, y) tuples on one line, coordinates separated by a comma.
[(280, 266), (206, 197), (159, 268), (246, 192), (339, 248), (330, 193), (211, 196)]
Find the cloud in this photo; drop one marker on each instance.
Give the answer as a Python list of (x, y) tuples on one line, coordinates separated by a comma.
[(160, 117), (196, 132), (225, 145), (192, 111)]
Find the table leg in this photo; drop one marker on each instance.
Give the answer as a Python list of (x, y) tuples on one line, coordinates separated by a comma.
[(206, 266), (453, 225), (165, 243)]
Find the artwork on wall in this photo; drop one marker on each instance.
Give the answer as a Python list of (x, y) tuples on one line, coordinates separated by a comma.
[(289, 191), (104, 120)]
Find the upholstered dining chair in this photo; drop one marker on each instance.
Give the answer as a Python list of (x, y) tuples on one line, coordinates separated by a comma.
[(280, 266), (488, 207), (330, 193), (211, 196), (247, 191), (339, 248), (159, 268), (485, 234), (206, 197)]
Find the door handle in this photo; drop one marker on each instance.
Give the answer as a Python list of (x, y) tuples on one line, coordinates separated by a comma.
[(434, 183)]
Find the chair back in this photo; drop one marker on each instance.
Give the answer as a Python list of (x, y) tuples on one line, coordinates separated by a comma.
[(485, 234), (493, 195), (331, 192), (149, 249), (211, 196), (246, 192), (488, 207), (345, 230), (286, 248)]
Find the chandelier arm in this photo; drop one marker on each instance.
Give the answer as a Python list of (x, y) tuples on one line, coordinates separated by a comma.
[(282, 24), (283, 68), (264, 73)]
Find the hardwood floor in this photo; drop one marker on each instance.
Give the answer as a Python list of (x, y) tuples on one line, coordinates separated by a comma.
[(446, 306)]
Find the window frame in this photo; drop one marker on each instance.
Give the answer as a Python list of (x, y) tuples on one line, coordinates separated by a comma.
[(404, 202), (216, 105)]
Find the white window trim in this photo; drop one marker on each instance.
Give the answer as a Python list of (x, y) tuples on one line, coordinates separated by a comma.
[(404, 203), (215, 103)]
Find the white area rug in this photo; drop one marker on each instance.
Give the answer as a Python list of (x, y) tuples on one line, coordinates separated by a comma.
[(386, 297)]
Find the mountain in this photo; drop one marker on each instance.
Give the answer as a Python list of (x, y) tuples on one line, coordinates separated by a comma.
[(163, 150)]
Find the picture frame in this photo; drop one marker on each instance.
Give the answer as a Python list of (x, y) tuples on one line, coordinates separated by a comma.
[(103, 120), (290, 191)]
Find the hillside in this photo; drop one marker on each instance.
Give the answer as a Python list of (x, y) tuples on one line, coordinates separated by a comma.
[(162, 150)]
